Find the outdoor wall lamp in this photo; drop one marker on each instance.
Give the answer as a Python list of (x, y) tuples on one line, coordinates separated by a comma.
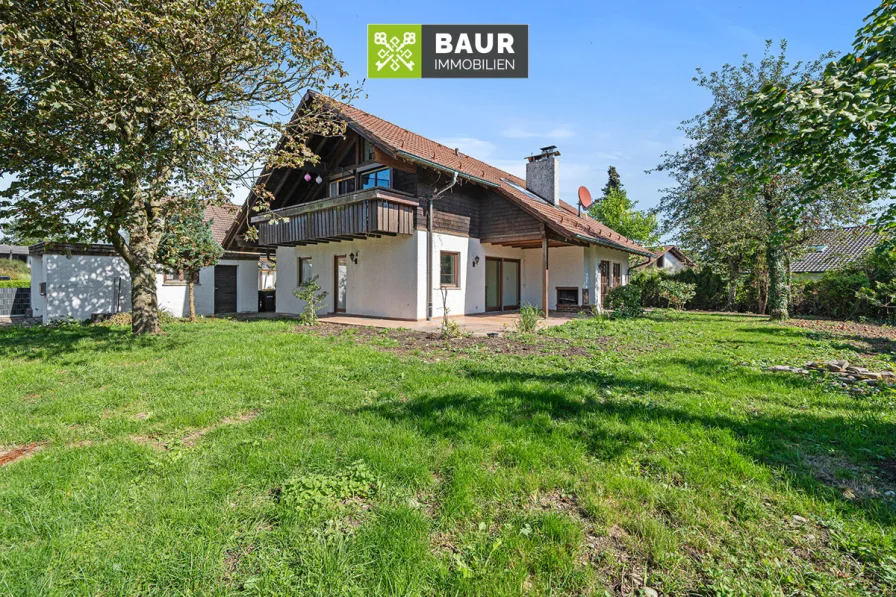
[(475, 261), (354, 257)]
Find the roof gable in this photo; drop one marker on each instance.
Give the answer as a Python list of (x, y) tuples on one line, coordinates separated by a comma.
[(404, 144)]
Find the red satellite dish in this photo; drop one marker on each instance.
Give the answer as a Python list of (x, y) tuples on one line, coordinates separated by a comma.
[(585, 198)]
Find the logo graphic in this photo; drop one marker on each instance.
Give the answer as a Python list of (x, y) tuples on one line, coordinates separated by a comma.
[(393, 51), (447, 51)]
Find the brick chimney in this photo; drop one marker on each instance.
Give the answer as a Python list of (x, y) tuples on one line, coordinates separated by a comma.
[(543, 174)]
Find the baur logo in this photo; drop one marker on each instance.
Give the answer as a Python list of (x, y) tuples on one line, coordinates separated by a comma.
[(447, 51)]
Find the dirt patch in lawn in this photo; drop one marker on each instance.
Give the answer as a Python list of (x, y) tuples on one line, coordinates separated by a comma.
[(432, 347), (864, 337), (191, 439), (18, 453), (608, 551), (853, 481)]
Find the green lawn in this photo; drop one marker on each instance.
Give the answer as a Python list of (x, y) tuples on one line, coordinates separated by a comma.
[(248, 458)]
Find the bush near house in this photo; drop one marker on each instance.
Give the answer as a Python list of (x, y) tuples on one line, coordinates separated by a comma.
[(848, 293), (625, 301), (710, 289)]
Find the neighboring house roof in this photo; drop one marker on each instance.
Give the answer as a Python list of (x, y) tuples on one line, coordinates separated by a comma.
[(833, 248), (13, 250), (563, 219), (674, 251), (222, 218)]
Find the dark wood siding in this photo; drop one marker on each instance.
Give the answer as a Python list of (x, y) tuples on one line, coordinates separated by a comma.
[(457, 211), (358, 219), (405, 182), (500, 218)]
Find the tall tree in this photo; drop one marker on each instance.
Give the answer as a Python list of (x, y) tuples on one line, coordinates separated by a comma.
[(618, 212), (765, 188), (614, 182), (117, 115), (839, 128), (187, 246)]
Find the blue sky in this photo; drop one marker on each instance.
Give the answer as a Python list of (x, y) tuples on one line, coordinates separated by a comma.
[(608, 82)]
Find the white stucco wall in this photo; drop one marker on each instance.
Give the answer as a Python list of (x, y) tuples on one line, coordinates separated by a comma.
[(38, 302), (671, 264), (382, 284), (389, 279), (80, 285)]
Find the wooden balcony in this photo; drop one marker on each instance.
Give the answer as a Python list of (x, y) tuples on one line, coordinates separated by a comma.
[(370, 213)]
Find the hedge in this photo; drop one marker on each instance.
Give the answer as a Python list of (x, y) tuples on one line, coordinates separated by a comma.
[(15, 283)]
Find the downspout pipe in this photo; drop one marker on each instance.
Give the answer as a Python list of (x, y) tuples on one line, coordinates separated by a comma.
[(429, 242)]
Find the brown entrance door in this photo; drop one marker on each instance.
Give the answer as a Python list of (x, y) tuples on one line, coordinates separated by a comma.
[(604, 281), (339, 276), (225, 289), (502, 284)]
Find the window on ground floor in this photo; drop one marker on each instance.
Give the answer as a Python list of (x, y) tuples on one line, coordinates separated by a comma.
[(179, 278), (303, 270), (449, 275)]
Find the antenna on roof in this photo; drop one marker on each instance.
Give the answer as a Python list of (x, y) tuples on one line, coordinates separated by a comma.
[(585, 200)]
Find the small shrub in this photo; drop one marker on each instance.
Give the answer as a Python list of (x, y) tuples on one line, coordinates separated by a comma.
[(677, 294), (123, 319), (625, 301), (527, 322), (15, 283), (316, 490), (310, 292)]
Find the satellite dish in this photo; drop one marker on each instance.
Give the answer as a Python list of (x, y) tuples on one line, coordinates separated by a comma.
[(585, 198)]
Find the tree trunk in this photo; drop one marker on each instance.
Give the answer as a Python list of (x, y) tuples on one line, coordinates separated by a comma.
[(192, 300), (777, 278), (733, 273), (144, 232), (144, 305)]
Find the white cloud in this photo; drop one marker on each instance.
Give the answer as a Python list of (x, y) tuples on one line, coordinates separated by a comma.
[(471, 146), (560, 132)]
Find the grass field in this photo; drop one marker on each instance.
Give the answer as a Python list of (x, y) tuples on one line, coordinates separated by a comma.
[(232, 458)]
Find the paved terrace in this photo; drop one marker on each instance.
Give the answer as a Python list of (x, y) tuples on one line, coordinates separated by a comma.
[(477, 325)]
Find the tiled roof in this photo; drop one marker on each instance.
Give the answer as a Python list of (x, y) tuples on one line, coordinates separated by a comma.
[(222, 218), (562, 219), (839, 247)]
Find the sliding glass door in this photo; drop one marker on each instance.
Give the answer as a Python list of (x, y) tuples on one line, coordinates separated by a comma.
[(502, 284)]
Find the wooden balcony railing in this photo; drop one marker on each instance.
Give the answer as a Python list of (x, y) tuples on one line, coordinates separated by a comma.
[(365, 214)]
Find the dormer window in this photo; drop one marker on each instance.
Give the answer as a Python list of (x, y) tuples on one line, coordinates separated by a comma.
[(369, 154), (377, 178), (342, 186)]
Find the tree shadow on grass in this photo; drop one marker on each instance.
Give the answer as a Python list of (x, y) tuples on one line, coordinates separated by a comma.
[(612, 424), (870, 344), (74, 344)]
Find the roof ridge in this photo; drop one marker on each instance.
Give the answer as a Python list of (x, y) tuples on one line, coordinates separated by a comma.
[(566, 220), (390, 123)]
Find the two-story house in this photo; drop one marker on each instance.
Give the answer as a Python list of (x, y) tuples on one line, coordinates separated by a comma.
[(389, 221)]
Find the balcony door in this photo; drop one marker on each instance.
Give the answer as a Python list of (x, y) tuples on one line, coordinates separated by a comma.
[(339, 276), (502, 284)]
